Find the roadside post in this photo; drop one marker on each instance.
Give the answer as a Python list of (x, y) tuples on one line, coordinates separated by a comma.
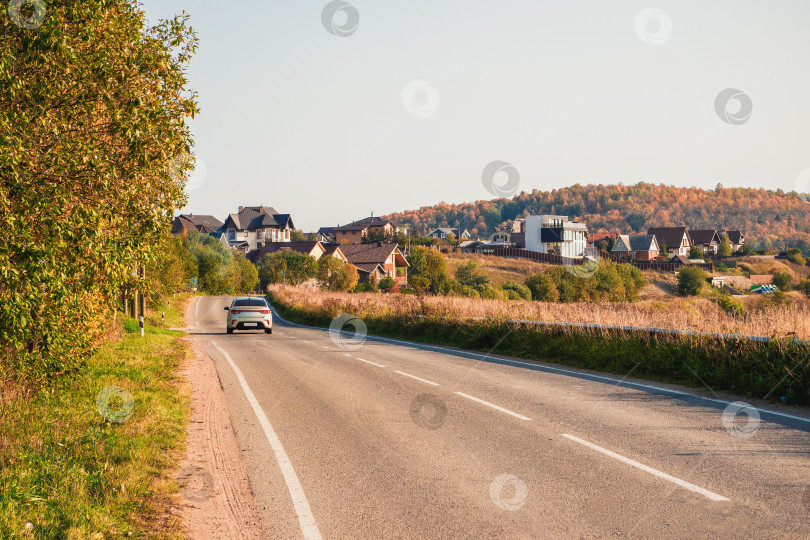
[(162, 316), (140, 323)]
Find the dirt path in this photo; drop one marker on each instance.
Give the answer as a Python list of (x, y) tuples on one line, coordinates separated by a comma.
[(215, 496)]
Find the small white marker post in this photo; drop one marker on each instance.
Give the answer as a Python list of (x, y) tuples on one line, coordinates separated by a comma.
[(140, 323), (162, 316)]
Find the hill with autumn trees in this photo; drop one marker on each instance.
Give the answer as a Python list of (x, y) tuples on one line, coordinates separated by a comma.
[(770, 219)]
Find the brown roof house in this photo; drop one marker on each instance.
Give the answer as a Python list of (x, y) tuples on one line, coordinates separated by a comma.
[(708, 240), (356, 231), (379, 259), (674, 240), (737, 239), (311, 248), (200, 223), (256, 226), (643, 247)]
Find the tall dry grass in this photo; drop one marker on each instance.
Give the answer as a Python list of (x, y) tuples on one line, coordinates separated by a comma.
[(696, 314)]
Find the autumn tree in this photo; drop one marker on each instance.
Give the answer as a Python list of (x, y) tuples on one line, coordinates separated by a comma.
[(95, 148)]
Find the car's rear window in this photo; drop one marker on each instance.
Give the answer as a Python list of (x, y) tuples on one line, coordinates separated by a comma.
[(250, 302)]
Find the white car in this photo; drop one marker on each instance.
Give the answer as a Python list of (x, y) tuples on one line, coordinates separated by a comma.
[(248, 313)]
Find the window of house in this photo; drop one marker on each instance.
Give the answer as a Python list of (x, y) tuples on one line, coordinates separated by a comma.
[(231, 234)]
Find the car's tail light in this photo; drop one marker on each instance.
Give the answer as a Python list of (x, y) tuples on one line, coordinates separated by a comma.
[(265, 311), (235, 312)]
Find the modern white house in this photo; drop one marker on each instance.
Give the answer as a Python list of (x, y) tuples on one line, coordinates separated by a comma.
[(556, 235), (254, 226)]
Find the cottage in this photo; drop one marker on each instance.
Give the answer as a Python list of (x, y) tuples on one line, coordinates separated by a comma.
[(556, 235), (378, 259), (357, 231), (256, 226), (311, 248), (708, 240), (199, 223), (643, 247), (735, 238), (443, 232), (673, 241)]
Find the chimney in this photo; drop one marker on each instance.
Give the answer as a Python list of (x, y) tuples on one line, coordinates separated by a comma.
[(379, 244), (241, 208)]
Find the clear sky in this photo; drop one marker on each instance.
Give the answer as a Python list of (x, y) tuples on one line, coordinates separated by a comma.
[(409, 106)]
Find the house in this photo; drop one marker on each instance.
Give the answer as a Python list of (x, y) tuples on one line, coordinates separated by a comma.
[(378, 259), (256, 226), (356, 231), (556, 235), (672, 240), (311, 248), (501, 237), (443, 232), (708, 240), (325, 234), (200, 223), (643, 247), (334, 251), (475, 246), (736, 238)]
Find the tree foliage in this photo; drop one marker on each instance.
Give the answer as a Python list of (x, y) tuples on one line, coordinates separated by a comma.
[(611, 283), (691, 280), (290, 267), (335, 275), (782, 280), (93, 113)]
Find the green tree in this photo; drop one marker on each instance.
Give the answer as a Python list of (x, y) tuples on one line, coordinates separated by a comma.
[(542, 288), (387, 284), (691, 280), (243, 275), (805, 286), (695, 253), (297, 236), (467, 274), (93, 108), (335, 275), (782, 280), (429, 264), (725, 249), (290, 267), (516, 291)]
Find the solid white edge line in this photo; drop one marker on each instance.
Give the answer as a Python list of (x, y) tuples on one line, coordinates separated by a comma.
[(370, 362), (417, 378), (488, 404), (543, 367), (305, 518), (691, 487)]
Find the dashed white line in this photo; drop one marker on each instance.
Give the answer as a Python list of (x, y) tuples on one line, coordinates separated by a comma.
[(305, 518), (347, 354), (324, 347), (488, 404), (691, 487), (372, 363), (417, 378)]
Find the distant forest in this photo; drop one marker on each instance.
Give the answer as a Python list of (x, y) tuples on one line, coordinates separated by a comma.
[(769, 219)]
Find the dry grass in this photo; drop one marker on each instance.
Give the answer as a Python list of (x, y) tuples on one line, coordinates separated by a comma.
[(698, 314), (500, 270)]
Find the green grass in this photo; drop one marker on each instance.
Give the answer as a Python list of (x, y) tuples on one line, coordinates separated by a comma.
[(72, 474)]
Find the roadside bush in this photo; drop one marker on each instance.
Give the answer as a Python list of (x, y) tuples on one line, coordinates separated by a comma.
[(691, 280), (387, 284), (335, 275), (429, 267), (610, 282), (516, 291), (292, 267), (730, 306), (782, 280), (368, 286), (542, 288), (805, 286), (467, 274)]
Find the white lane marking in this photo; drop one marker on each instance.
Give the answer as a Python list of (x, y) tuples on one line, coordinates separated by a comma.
[(305, 341), (197, 313), (488, 404), (372, 363), (347, 354), (324, 347), (417, 378), (691, 487), (543, 367), (305, 518)]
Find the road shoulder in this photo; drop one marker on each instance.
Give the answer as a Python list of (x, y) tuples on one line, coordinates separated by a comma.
[(216, 498)]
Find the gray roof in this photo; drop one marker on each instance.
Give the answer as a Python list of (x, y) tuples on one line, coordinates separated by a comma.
[(258, 217), (636, 242)]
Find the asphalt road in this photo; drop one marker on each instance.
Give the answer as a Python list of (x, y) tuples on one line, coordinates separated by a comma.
[(384, 439)]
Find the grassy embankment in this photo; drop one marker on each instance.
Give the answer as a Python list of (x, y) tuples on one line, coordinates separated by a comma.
[(739, 366), (70, 473)]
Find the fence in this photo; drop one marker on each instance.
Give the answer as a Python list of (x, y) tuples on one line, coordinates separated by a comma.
[(557, 259)]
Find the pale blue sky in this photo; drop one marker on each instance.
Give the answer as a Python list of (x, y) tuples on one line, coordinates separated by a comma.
[(566, 91)]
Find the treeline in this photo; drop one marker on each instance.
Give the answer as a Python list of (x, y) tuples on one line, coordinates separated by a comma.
[(93, 109), (771, 220)]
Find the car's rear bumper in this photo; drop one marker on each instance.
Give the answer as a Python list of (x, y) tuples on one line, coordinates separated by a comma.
[(250, 324)]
